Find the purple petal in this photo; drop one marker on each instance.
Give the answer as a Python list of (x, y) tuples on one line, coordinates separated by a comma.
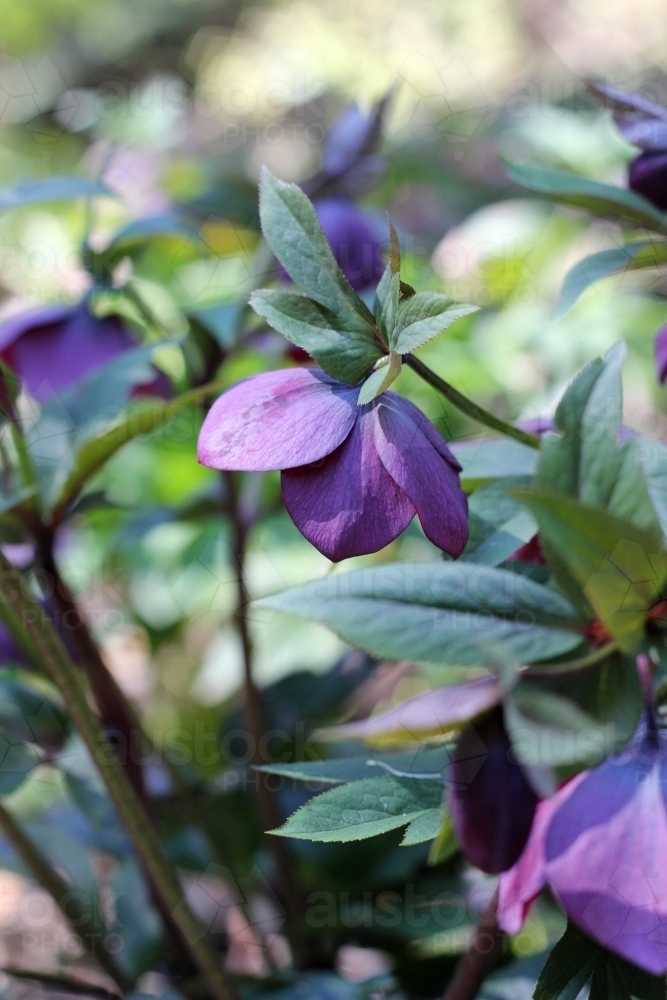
[(491, 802), (278, 420), (647, 175), (51, 349), (420, 462), (348, 505), (660, 348), (355, 240), (518, 887), (606, 858), (429, 714)]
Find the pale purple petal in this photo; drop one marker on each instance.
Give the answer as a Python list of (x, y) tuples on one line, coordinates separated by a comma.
[(430, 714), (348, 504), (606, 858), (427, 472), (660, 348), (518, 887), (278, 420)]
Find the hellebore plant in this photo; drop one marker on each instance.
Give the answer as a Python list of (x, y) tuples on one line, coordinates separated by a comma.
[(357, 461)]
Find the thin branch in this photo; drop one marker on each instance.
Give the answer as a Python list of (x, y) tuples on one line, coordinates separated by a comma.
[(480, 959), (467, 406), (68, 902), (50, 651)]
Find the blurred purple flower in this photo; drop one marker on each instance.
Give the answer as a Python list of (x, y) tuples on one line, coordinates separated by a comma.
[(491, 801), (660, 348), (52, 348), (353, 477), (647, 176), (355, 240)]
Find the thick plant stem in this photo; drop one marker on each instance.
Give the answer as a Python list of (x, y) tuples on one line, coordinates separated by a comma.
[(67, 901), (257, 726), (467, 406), (67, 678), (480, 958)]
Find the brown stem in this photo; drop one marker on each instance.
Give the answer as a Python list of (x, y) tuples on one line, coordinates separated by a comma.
[(479, 960), (257, 725), (67, 901)]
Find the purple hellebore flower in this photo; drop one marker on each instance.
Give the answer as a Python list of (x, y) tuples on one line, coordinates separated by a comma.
[(660, 349), (491, 802), (353, 477), (355, 240), (52, 348)]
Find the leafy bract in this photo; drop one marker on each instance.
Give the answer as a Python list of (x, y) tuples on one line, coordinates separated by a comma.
[(345, 354), (423, 316), (617, 260)]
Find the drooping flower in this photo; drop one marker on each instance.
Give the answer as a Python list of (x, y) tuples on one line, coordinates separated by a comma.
[(355, 240), (52, 348), (353, 477), (491, 801), (601, 845), (647, 175), (660, 349)]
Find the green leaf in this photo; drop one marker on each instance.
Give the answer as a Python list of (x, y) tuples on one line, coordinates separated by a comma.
[(48, 189), (423, 828), (493, 458), (337, 771), (346, 355), (445, 844), (27, 716), (436, 612), (568, 967), (616, 979), (652, 457), (500, 544), (549, 730), (631, 257), (292, 230), (620, 568), (579, 192), (17, 760), (94, 453), (221, 322), (362, 809), (422, 317)]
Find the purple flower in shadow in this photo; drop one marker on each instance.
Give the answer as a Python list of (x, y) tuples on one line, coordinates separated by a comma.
[(601, 845), (355, 240), (491, 802), (647, 175), (51, 349), (353, 477)]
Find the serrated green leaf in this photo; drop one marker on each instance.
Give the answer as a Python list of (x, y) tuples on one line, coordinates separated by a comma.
[(423, 828), (568, 967), (445, 844), (346, 355), (48, 189), (362, 809), (580, 192), (422, 317), (436, 612), (493, 458), (621, 568), (631, 257), (292, 230)]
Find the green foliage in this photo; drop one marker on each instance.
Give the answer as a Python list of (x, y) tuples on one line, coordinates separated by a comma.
[(619, 260), (421, 317)]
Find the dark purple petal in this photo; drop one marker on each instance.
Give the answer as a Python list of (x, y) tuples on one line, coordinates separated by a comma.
[(347, 138), (660, 348), (348, 504), (277, 420), (606, 856), (420, 462), (53, 348), (430, 714), (491, 801), (647, 176)]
